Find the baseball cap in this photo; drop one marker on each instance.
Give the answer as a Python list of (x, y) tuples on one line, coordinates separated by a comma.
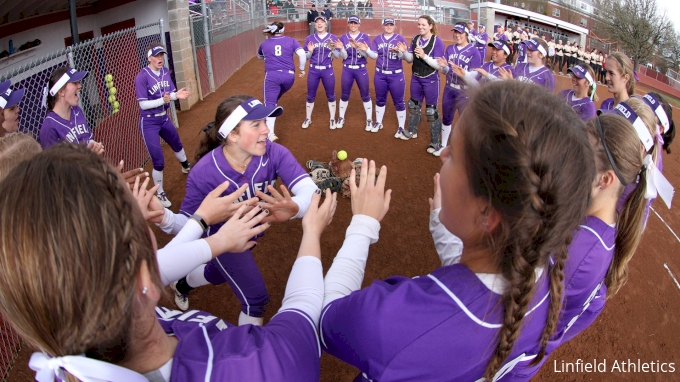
[(535, 45), (5, 85), (460, 28), (581, 72), (655, 105), (10, 98), (249, 110), (71, 75), (482, 27), (321, 17), (354, 19), (155, 51), (627, 112), (500, 45), (388, 21)]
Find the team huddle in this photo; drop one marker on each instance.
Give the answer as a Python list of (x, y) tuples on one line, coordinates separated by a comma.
[(530, 249)]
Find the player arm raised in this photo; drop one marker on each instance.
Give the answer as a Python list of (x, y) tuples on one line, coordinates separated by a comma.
[(403, 52), (449, 247), (365, 50), (303, 59)]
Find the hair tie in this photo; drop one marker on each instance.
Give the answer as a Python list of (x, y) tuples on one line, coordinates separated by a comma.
[(81, 367), (592, 95), (635, 75), (44, 97), (609, 154), (656, 183)]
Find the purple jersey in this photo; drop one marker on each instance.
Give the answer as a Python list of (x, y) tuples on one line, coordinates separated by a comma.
[(323, 53), (150, 86), (521, 53), (584, 107), (278, 53), (213, 170), (55, 129), (492, 69), (501, 36), (442, 326), (353, 56), (387, 59), (607, 104), (467, 57), (209, 349), (483, 37), (541, 76)]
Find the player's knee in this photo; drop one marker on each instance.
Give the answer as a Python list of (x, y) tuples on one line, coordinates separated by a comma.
[(366, 98), (255, 305), (413, 106), (431, 113), (344, 97)]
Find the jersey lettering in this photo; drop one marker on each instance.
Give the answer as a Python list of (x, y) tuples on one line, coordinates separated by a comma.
[(277, 50), (158, 85), (73, 133)]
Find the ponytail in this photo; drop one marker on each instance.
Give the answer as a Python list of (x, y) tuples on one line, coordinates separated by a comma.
[(212, 139)]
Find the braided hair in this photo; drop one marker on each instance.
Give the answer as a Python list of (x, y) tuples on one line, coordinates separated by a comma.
[(536, 169)]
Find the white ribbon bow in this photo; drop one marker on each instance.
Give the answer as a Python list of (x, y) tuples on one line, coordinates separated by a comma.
[(44, 96), (81, 367), (657, 183)]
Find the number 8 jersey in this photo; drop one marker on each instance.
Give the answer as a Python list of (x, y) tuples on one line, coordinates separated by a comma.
[(278, 53)]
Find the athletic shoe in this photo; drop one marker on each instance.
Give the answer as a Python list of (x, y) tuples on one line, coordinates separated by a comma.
[(181, 300), (438, 152), (340, 123), (332, 124), (272, 137), (335, 184), (406, 135), (306, 123), (369, 125), (431, 149), (376, 127), (400, 134), (164, 199), (187, 168)]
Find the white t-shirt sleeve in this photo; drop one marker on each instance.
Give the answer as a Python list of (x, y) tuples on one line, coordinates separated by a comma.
[(303, 191), (449, 247)]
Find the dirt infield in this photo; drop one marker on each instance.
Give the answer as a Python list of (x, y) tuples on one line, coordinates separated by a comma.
[(639, 323)]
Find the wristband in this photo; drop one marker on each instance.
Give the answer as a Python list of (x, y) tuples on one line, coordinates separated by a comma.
[(200, 221)]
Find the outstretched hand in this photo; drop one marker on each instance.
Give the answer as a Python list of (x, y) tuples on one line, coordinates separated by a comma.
[(280, 205), (318, 217), (401, 47), (182, 93), (458, 70), (96, 147), (145, 200), (436, 199), (236, 234), (505, 74), (131, 176), (310, 46), (370, 197), (482, 72), (216, 209)]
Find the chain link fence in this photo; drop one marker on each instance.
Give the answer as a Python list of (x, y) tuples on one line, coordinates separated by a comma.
[(110, 107)]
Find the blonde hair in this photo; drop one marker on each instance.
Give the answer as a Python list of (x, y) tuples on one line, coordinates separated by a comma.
[(14, 149), (543, 44), (72, 242), (591, 89), (626, 69), (649, 118)]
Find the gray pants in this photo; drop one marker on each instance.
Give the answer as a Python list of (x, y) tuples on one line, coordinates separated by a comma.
[(312, 30)]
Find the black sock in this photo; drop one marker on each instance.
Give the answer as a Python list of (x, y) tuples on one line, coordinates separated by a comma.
[(186, 163), (182, 286)]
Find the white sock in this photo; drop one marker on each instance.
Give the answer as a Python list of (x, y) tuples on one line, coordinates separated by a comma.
[(343, 108), (401, 118), (368, 108), (379, 113), (331, 109), (270, 124), (196, 278), (244, 319), (181, 156), (446, 131), (309, 108), (158, 179)]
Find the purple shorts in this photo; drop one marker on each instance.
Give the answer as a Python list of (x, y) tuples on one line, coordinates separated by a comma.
[(276, 83), (324, 76), (426, 88), (151, 127), (361, 77), (395, 84), (453, 99)]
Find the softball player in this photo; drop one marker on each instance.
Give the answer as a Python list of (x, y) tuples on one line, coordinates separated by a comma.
[(388, 50), (9, 108), (320, 49), (155, 90), (534, 71), (522, 48), (236, 149), (665, 116), (463, 55), (462, 321), (481, 42), (66, 120), (500, 50), (582, 93), (278, 53), (103, 287), (423, 52), (567, 55), (620, 80), (354, 69)]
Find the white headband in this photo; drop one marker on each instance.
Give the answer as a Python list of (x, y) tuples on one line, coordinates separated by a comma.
[(540, 49), (59, 84), (506, 49), (81, 367), (657, 183), (274, 29), (639, 126), (232, 120), (3, 102), (663, 118), (590, 78)]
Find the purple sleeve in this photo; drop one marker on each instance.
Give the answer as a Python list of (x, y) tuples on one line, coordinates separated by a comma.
[(374, 45), (140, 87), (438, 48), (295, 44), (410, 45), (287, 167), (307, 40), (48, 135), (259, 50), (476, 60), (564, 94), (550, 81), (588, 111)]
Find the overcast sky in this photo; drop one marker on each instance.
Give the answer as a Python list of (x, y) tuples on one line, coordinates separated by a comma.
[(673, 8)]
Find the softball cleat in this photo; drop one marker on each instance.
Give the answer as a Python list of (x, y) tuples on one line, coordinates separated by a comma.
[(306, 123), (369, 125), (376, 127), (164, 199), (181, 300), (340, 123), (332, 124)]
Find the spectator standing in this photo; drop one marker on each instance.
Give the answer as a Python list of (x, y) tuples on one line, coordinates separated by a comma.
[(312, 14), (328, 15), (369, 9)]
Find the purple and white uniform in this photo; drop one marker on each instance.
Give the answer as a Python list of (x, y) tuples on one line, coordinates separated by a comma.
[(541, 76), (240, 269), (584, 107), (455, 96), (493, 70), (389, 71), (585, 292), (278, 53), (521, 53), (354, 68), (208, 348), (321, 66), (607, 104), (153, 122), (425, 79), (55, 129), (480, 44)]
